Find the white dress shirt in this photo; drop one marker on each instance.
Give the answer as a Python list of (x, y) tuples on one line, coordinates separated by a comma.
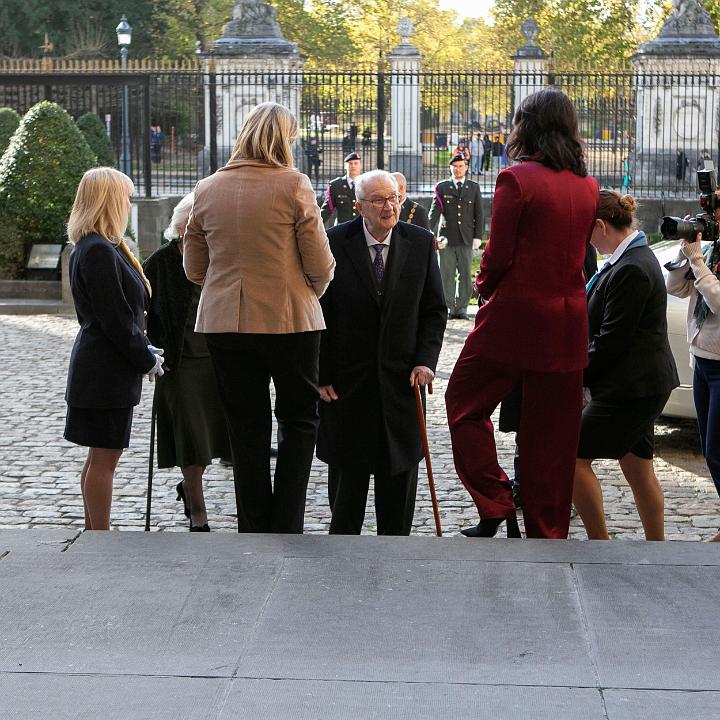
[(370, 240)]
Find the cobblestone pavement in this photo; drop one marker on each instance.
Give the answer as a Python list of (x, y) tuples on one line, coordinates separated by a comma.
[(39, 471)]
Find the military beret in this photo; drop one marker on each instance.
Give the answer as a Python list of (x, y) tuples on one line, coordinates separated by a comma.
[(457, 158), (352, 156)]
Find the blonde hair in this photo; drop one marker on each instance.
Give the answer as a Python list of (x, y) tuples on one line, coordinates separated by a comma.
[(267, 134), (180, 216), (617, 209), (101, 207)]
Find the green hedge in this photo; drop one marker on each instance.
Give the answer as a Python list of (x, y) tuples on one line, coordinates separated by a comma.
[(40, 172), (9, 121), (91, 126)]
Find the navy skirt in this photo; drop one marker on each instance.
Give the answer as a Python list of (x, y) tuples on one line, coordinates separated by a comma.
[(107, 428)]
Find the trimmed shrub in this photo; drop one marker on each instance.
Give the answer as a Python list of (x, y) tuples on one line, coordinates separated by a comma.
[(9, 121), (12, 250), (91, 126), (40, 172)]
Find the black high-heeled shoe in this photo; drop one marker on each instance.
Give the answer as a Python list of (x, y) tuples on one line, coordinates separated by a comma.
[(199, 528), (489, 527), (181, 496)]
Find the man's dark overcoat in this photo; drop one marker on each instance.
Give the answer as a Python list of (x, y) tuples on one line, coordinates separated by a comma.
[(375, 336)]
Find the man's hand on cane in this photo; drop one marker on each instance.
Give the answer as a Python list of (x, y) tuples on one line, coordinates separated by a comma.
[(424, 375), (327, 393)]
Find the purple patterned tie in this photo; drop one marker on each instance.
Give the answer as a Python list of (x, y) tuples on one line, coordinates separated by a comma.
[(378, 264)]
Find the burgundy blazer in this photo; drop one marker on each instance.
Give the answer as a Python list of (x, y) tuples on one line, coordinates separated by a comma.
[(531, 276)]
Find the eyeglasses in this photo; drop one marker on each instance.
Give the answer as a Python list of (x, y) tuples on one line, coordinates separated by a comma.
[(379, 203)]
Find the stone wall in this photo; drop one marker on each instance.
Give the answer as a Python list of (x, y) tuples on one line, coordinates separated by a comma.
[(153, 216)]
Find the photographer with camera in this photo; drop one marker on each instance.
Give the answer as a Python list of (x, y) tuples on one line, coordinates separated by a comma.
[(695, 275)]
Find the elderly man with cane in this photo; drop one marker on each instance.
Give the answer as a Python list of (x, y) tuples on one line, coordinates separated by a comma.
[(385, 316)]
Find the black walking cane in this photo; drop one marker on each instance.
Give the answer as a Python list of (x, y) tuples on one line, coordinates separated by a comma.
[(151, 463), (426, 448)]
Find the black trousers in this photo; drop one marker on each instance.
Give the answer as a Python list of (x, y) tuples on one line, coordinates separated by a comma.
[(244, 364), (394, 500)]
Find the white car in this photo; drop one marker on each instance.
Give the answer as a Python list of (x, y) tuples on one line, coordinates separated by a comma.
[(681, 402)]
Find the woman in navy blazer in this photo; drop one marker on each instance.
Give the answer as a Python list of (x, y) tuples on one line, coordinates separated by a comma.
[(532, 326), (111, 352), (631, 370)]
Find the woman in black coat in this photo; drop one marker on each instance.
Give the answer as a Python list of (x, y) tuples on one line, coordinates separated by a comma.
[(631, 371), (111, 352), (191, 428)]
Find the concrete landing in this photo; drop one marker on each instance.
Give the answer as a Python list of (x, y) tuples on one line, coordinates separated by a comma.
[(219, 626), (34, 306)]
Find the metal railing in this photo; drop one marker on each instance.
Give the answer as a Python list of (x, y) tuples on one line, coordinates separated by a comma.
[(644, 132)]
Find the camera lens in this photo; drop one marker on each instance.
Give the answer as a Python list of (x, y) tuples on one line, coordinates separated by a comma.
[(675, 228)]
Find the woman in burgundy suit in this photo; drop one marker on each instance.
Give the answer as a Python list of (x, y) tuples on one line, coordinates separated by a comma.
[(531, 327)]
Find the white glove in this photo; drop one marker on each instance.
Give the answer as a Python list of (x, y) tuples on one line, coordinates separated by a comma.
[(156, 351), (476, 243), (156, 370), (692, 251), (442, 243)]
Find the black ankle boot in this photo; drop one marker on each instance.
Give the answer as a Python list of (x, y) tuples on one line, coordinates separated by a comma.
[(489, 527), (485, 528)]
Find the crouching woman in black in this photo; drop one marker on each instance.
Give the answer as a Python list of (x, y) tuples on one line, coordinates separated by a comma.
[(191, 428), (631, 370), (111, 352)]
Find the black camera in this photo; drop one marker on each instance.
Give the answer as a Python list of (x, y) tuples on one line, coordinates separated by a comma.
[(675, 228)]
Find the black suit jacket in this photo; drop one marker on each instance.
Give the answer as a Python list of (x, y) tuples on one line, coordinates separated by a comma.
[(110, 353), (375, 336), (458, 216), (415, 214), (629, 351)]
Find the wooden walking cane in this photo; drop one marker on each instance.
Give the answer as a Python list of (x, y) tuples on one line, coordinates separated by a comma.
[(426, 448), (151, 463)]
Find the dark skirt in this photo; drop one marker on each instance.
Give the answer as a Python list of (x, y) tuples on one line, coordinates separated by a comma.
[(107, 428), (612, 430), (191, 428)]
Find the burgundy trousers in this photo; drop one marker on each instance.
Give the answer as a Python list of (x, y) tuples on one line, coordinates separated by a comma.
[(549, 431)]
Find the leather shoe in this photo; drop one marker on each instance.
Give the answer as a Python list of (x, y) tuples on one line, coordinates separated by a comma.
[(489, 527)]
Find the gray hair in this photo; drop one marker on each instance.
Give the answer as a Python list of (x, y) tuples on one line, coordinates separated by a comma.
[(368, 177), (180, 216)]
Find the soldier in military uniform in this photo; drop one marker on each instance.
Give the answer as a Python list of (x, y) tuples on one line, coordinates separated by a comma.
[(456, 217), (410, 211), (340, 193)]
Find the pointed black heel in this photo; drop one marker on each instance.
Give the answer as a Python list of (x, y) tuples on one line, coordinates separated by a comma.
[(181, 496), (489, 526)]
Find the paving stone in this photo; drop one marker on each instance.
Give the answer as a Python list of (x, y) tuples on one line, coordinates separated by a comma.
[(39, 471)]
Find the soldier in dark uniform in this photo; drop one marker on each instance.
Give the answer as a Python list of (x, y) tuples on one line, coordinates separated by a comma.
[(340, 193), (457, 209), (410, 212), (312, 153)]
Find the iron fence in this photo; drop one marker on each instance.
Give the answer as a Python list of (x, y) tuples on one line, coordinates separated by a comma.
[(644, 132)]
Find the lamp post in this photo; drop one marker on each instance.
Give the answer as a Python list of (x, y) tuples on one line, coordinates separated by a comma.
[(124, 37)]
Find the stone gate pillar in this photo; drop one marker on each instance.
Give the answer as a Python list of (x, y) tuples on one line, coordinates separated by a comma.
[(531, 66), (253, 63), (405, 142), (677, 96)]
